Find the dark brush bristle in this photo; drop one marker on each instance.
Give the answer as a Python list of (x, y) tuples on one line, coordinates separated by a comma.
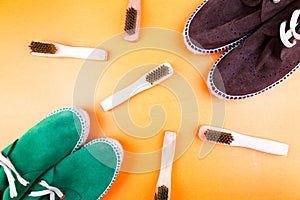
[(162, 193), (130, 22), (157, 74), (218, 136), (41, 47)]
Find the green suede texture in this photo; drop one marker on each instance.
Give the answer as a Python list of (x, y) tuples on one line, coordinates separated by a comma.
[(83, 175), (41, 147)]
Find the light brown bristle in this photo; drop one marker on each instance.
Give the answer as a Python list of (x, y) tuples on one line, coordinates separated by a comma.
[(157, 74), (130, 22), (41, 47), (162, 193), (218, 136)]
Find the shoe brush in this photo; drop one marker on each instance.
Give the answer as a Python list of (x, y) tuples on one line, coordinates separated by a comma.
[(152, 78), (50, 49), (163, 186), (132, 21), (230, 138)]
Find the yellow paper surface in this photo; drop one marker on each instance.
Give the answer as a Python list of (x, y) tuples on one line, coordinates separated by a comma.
[(31, 87)]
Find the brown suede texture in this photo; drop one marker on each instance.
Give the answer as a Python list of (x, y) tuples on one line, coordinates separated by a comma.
[(221, 22), (259, 61)]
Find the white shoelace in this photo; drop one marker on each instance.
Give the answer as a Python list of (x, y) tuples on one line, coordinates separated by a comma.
[(289, 38), (9, 169), (50, 190)]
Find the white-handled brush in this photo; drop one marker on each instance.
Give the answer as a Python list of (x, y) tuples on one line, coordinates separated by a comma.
[(50, 49), (152, 78), (163, 186), (227, 137), (133, 20)]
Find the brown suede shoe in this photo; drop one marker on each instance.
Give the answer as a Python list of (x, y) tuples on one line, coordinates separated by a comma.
[(217, 25), (261, 61)]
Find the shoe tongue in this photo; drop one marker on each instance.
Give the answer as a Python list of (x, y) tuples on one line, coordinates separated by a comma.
[(269, 8), (271, 27), (7, 151), (251, 3), (272, 48)]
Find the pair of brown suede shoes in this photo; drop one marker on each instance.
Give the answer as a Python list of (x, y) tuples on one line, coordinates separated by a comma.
[(260, 37)]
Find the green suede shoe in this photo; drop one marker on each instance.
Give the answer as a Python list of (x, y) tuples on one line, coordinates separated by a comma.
[(56, 136), (86, 174)]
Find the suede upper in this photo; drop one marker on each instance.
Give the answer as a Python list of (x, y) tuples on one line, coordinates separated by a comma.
[(43, 145), (220, 24), (86, 174), (258, 63)]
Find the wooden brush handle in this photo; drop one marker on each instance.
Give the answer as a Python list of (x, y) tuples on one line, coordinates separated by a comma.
[(82, 52), (124, 94), (167, 158), (261, 144), (136, 4)]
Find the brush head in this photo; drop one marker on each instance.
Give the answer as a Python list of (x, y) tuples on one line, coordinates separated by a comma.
[(130, 22), (162, 193), (158, 73), (42, 47), (218, 136)]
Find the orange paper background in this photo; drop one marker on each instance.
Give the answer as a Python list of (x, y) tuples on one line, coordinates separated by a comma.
[(31, 87)]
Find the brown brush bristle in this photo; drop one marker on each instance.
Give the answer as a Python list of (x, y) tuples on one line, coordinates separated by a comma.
[(130, 22), (218, 136), (162, 193), (41, 47), (157, 74)]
